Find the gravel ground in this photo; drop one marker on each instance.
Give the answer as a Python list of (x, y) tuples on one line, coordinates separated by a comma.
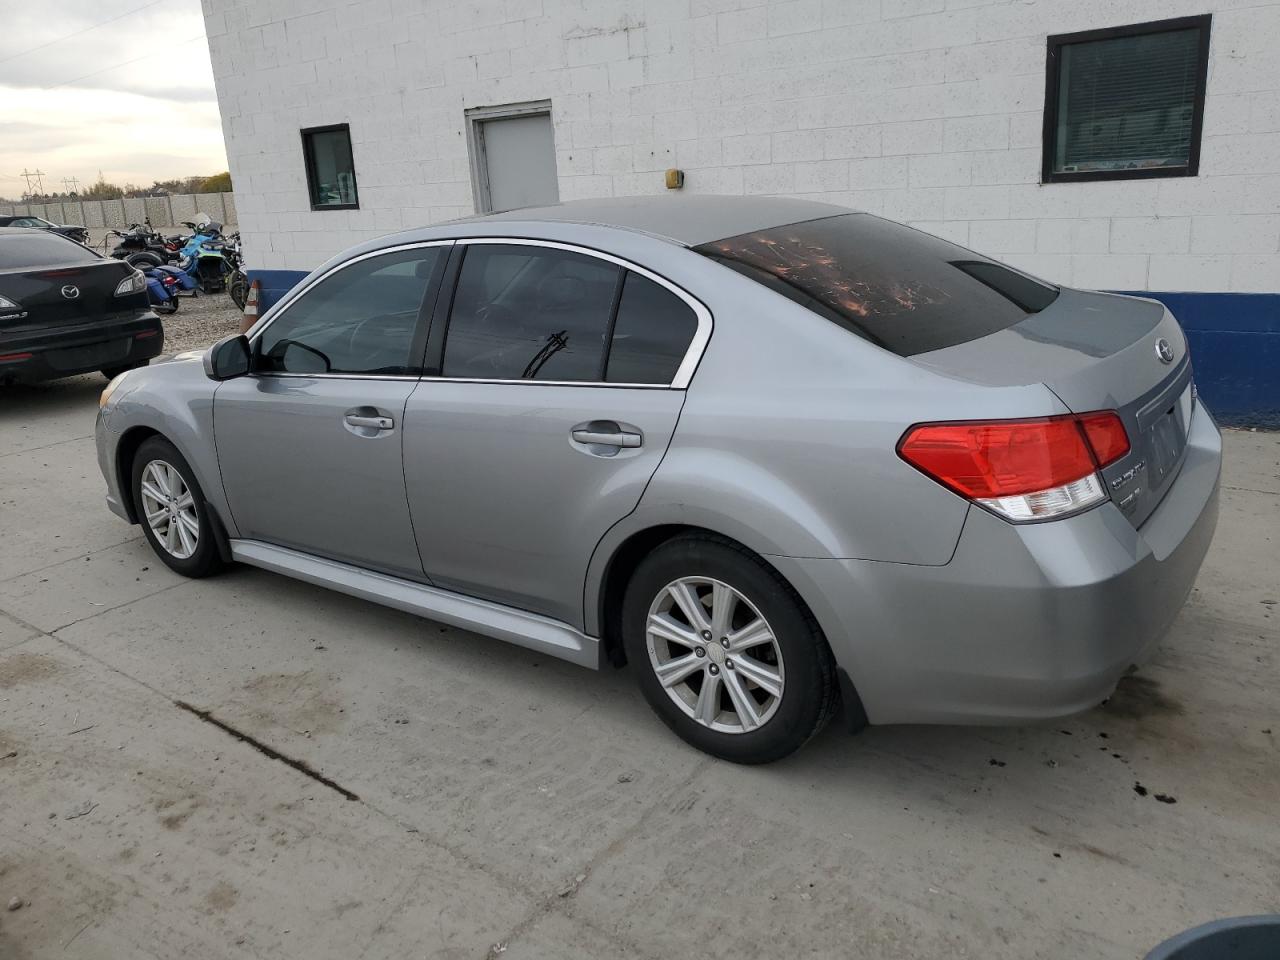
[(199, 322)]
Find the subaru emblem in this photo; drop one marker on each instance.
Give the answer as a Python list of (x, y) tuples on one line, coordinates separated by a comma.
[(70, 292), (1164, 351)]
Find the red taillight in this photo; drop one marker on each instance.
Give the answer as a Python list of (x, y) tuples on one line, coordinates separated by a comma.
[(14, 357), (1022, 469), (145, 334), (1106, 435)]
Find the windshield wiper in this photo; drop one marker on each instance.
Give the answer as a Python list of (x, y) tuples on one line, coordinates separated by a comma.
[(555, 343)]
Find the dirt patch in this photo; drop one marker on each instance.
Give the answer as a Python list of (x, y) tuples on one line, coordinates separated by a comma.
[(174, 819), (222, 897), (302, 702), (1137, 697), (26, 668)]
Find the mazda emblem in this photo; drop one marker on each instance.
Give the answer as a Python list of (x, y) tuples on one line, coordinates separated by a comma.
[(70, 292), (1164, 351)]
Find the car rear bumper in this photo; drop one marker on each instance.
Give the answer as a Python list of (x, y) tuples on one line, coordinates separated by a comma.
[(63, 351), (1030, 621)]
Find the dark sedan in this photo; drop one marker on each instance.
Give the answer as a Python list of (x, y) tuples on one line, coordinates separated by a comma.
[(70, 230), (66, 310)]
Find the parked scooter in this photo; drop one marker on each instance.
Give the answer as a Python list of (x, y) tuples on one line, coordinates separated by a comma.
[(238, 285)]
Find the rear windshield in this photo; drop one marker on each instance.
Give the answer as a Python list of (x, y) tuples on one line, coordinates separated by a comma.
[(899, 288), (36, 248)]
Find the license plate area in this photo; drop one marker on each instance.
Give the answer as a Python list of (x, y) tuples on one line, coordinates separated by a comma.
[(1166, 438)]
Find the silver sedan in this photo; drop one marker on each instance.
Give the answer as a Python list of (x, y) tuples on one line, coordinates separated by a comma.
[(785, 460)]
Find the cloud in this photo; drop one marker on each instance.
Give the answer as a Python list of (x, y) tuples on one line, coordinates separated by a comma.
[(133, 97)]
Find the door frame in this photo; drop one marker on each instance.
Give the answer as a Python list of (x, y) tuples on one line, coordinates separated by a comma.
[(476, 118)]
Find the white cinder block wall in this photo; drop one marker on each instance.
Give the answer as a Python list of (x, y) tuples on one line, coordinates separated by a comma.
[(925, 111)]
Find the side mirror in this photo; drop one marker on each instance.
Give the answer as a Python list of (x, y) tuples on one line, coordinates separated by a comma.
[(228, 358)]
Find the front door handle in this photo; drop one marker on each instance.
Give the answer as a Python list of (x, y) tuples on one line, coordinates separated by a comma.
[(619, 438), (374, 423)]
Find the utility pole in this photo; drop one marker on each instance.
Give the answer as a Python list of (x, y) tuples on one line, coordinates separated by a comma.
[(70, 184), (37, 175)]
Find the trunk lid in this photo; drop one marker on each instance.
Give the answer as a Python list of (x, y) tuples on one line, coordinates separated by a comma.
[(63, 295), (1098, 351)]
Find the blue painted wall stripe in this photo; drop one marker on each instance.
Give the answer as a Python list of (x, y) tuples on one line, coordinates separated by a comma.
[(1234, 337)]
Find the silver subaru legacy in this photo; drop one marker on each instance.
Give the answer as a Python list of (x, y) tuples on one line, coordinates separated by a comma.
[(783, 459)]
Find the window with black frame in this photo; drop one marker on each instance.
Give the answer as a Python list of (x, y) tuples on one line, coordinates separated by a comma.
[(1126, 102), (331, 171)]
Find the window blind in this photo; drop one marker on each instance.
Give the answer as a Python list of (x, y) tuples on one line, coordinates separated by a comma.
[(1127, 102)]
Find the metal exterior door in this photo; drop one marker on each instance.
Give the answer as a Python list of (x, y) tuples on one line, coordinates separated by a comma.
[(517, 162)]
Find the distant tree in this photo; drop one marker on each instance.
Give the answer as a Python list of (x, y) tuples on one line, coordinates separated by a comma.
[(101, 190), (218, 183)]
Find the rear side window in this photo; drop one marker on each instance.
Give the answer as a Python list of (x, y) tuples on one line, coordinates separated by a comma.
[(41, 249), (897, 287), (530, 313), (651, 335)]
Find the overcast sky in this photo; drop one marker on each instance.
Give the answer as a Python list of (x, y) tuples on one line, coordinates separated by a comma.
[(74, 105)]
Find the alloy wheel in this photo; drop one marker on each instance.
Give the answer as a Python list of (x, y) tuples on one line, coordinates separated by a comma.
[(170, 509), (715, 654)]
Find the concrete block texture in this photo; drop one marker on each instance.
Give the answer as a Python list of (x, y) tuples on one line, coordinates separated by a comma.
[(944, 98)]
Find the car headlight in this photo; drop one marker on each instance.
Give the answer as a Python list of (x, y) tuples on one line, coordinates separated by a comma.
[(134, 283), (112, 387)]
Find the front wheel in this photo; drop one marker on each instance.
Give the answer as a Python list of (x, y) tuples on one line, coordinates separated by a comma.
[(143, 260), (172, 511), (168, 306), (725, 652)]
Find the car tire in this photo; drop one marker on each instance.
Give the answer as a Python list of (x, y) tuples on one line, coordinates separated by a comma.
[(797, 692), (193, 551), (112, 372)]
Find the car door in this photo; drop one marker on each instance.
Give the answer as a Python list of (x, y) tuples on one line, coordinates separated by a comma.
[(546, 410), (309, 443)]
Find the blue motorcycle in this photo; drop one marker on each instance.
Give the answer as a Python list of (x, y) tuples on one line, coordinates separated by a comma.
[(163, 286)]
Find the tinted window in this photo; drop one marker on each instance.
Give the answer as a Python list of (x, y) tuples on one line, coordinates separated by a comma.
[(331, 171), (899, 288), (1127, 101), (362, 319), (41, 249), (651, 335), (529, 313)]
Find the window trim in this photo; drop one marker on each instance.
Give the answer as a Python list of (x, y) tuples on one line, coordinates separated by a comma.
[(1053, 77), (309, 162), (255, 333), (444, 301), (684, 372)]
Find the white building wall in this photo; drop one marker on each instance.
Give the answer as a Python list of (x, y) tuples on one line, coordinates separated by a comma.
[(924, 111)]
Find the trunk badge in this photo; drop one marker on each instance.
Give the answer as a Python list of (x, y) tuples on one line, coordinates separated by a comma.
[(70, 292), (1164, 351)]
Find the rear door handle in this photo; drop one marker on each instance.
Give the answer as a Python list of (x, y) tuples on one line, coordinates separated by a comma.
[(376, 423), (620, 438)]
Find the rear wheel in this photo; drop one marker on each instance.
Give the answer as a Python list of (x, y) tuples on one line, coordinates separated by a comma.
[(725, 652), (172, 511), (143, 260), (169, 306)]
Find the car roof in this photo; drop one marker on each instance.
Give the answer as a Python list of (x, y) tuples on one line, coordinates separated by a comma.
[(689, 220)]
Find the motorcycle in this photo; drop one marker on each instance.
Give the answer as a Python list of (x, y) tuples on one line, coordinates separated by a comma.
[(141, 246), (238, 285), (163, 286)]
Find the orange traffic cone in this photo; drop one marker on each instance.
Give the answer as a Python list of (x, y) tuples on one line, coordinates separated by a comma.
[(251, 306)]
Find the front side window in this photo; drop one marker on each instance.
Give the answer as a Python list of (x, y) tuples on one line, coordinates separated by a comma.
[(363, 319), (1126, 102), (523, 312), (902, 289), (331, 171)]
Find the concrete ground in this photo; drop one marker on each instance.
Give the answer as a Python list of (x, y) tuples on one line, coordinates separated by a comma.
[(483, 801)]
